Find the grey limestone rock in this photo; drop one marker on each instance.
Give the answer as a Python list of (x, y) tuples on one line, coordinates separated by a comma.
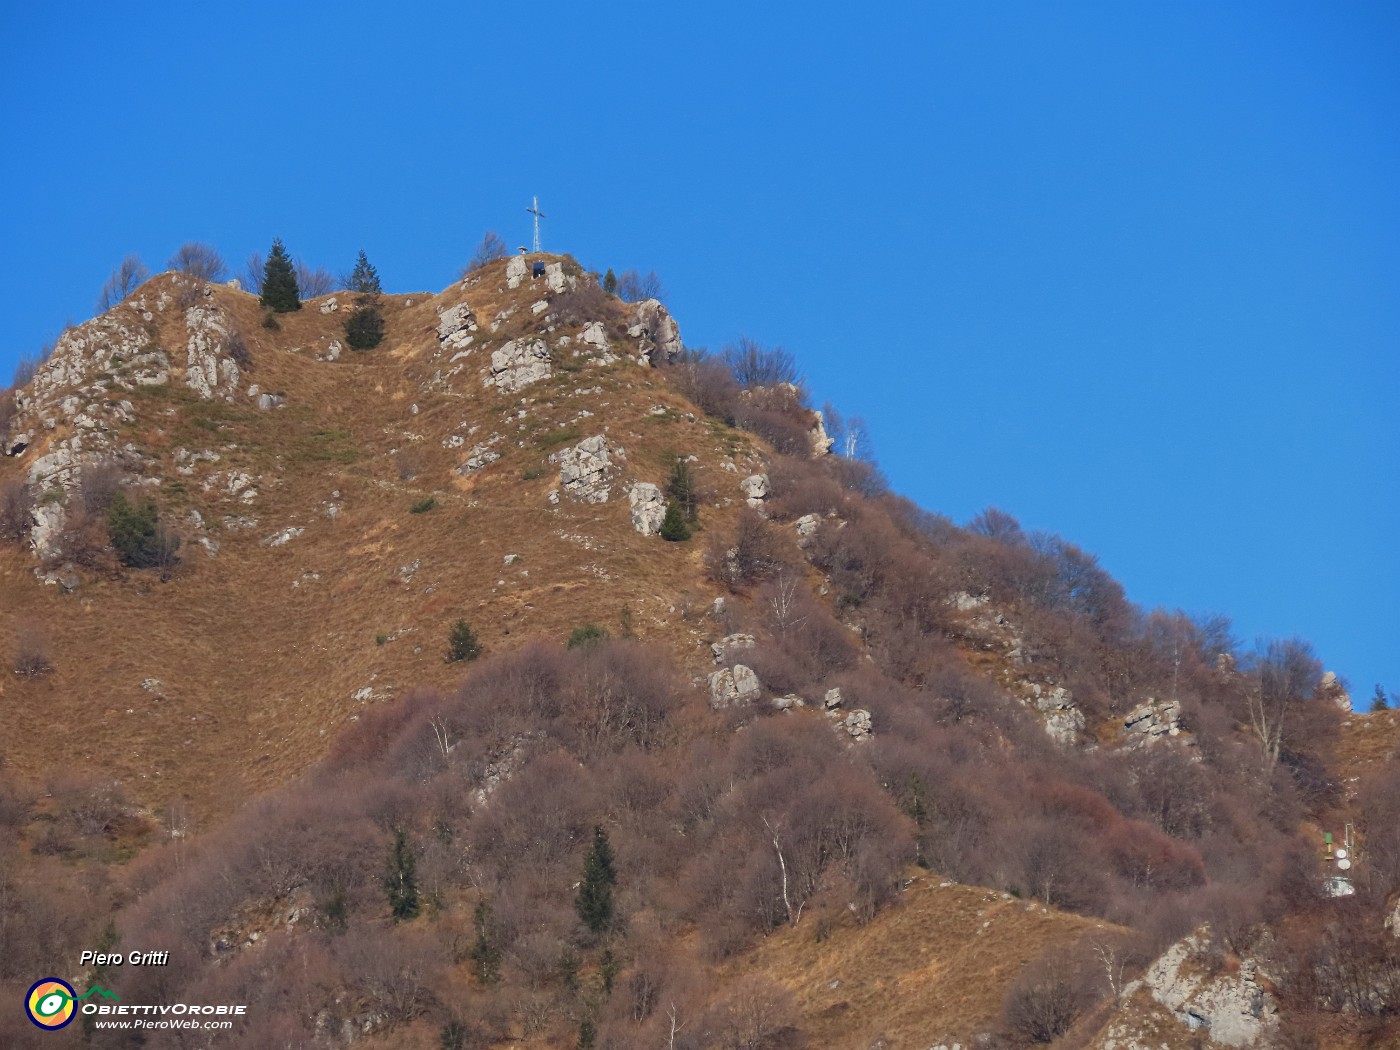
[(648, 507), (518, 364), (585, 470)]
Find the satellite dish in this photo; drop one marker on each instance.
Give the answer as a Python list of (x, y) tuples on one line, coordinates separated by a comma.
[(1343, 863), (1341, 853)]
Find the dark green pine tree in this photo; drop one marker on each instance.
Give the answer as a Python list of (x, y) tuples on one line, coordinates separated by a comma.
[(401, 881), (280, 293), (674, 527), (364, 327), (595, 899), (610, 282), (364, 278)]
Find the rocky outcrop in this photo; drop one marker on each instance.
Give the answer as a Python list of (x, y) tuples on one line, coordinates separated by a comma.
[(585, 470), (516, 271), (734, 687), (1152, 721), (806, 527), (821, 440), (1064, 721), (595, 335), (857, 725), (554, 278), (657, 334), (1331, 688), (756, 490), (518, 364), (207, 372), (1234, 1009), (330, 306), (455, 326), (728, 644), (648, 507)]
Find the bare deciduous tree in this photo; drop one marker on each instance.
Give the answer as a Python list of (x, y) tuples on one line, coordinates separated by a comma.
[(491, 248), (254, 269), (1282, 675), (633, 287), (200, 261), (126, 278), (313, 281), (754, 365)]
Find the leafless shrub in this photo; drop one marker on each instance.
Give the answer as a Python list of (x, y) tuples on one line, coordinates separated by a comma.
[(254, 270), (32, 654), (313, 281), (750, 557), (125, 279), (200, 261), (753, 1014), (1048, 997), (236, 347), (16, 511), (8, 411), (706, 382), (582, 303), (754, 365), (98, 485), (491, 248), (633, 287)]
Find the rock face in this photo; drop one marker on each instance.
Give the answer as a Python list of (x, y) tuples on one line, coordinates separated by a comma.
[(1063, 719), (1331, 689), (1234, 1009), (585, 470), (821, 440), (455, 326), (733, 687), (755, 488), (659, 337), (518, 364), (1147, 723), (207, 372), (648, 507)]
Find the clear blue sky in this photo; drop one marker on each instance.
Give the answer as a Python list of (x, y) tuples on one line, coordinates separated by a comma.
[(1130, 272)]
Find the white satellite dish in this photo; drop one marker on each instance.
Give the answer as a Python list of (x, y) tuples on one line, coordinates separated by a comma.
[(1343, 863), (1341, 853)]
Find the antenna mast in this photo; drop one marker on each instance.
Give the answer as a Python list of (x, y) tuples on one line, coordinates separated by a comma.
[(535, 211)]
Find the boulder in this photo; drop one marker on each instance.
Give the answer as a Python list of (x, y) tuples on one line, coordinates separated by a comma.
[(330, 306), (755, 488), (648, 507), (267, 402), (787, 703), (455, 326), (516, 270), (554, 277), (832, 700), (585, 470), (595, 335), (806, 527), (857, 725), (733, 687), (518, 364)]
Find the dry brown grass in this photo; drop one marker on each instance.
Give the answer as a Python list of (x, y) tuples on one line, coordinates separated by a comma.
[(933, 968), (260, 651)]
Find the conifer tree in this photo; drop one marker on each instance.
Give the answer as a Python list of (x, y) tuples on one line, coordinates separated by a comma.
[(280, 293), (364, 327), (610, 282), (674, 527), (401, 881), (595, 900), (485, 953), (364, 278)]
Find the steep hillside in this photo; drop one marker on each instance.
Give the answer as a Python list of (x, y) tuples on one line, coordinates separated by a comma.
[(308, 587)]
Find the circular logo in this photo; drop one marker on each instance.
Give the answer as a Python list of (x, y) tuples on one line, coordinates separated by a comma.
[(50, 1003)]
